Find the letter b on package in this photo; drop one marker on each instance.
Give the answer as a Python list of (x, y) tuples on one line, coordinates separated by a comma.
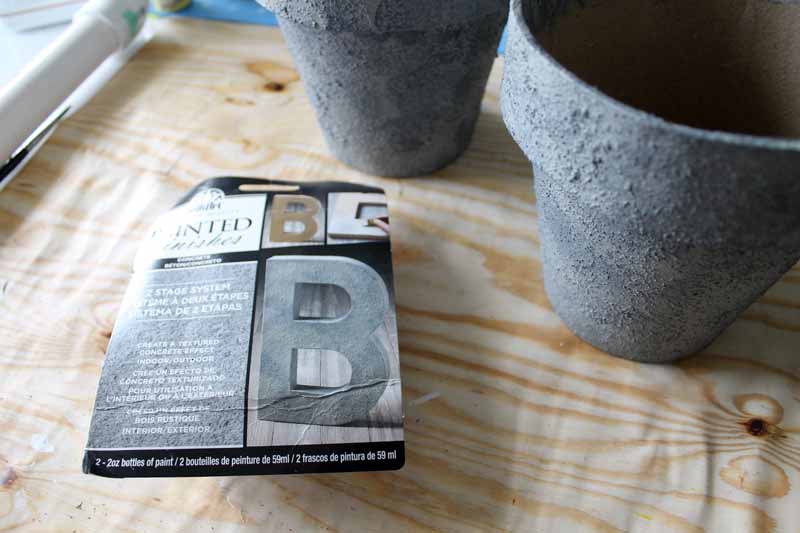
[(351, 334)]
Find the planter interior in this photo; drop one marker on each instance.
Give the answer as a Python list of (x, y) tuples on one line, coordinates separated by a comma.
[(727, 65)]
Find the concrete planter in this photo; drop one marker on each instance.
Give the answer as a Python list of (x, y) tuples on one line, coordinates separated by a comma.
[(663, 136), (397, 86)]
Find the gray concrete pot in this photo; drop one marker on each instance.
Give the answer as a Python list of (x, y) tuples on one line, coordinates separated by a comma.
[(656, 235), (397, 86)]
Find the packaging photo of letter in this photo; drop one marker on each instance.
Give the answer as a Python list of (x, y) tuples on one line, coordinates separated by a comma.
[(258, 335)]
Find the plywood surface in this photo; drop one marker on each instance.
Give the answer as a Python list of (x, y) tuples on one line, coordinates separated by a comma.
[(511, 422)]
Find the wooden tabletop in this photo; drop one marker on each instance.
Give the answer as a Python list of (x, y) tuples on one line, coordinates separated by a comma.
[(512, 423)]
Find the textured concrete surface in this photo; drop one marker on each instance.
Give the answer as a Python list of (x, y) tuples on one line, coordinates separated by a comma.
[(397, 86), (655, 236), (351, 335), (194, 358)]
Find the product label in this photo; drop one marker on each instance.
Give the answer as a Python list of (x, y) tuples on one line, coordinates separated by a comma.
[(257, 336), (210, 223)]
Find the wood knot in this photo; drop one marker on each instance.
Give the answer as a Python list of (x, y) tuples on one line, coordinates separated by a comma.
[(274, 86), (8, 478), (757, 427)]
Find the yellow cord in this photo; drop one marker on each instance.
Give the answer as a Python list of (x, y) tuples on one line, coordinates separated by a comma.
[(169, 6)]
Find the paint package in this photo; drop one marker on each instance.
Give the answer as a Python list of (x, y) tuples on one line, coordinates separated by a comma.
[(258, 335)]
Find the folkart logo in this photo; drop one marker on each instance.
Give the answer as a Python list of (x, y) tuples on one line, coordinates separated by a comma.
[(207, 200)]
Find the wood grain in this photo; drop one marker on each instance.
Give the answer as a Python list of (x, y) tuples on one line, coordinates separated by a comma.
[(512, 423)]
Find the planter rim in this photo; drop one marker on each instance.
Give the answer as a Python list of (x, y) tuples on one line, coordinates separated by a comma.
[(790, 144), (412, 15)]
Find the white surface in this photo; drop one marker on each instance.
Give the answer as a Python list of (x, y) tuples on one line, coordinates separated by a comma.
[(25, 30), (98, 29), (84, 93), (38, 14), (19, 48), (13, 6), (45, 83)]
